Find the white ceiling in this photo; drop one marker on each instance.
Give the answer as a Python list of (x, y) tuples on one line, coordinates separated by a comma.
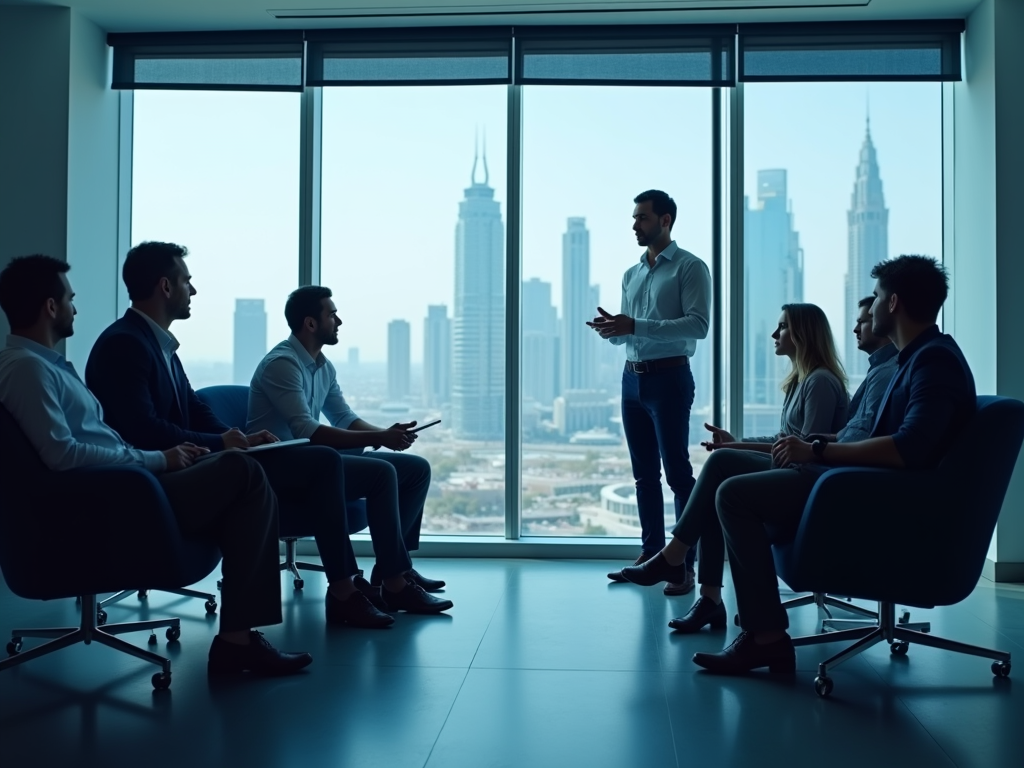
[(187, 15)]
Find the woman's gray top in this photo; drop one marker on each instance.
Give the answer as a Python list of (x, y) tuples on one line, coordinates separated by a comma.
[(817, 405)]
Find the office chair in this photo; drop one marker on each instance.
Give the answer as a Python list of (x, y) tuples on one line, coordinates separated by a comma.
[(930, 533), (230, 403), (87, 531)]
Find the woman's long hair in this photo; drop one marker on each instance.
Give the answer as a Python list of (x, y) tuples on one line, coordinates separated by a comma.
[(815, 345)]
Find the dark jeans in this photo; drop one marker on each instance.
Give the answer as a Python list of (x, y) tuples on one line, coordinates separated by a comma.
[(656, 421), (309, 481), (228, 498), (395, 488), (699, 521), (746, 505)]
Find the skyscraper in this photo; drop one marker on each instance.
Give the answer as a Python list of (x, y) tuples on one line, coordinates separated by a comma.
[(437, 356), (250, 342), (867, 243), (398, 360), (578, 341), (478, 328), (540, 342), (353, 357), (773, 276)]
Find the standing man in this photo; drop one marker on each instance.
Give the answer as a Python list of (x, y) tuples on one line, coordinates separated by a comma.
[(666, 300), (136, 375)]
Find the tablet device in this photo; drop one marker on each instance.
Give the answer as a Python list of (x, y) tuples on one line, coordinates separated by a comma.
[(264, 447), (432, 423)]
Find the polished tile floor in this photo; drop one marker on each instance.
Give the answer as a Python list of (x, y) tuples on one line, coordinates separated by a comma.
[(542, 663)]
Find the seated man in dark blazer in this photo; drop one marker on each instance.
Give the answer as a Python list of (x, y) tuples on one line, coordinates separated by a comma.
[(135, 373)]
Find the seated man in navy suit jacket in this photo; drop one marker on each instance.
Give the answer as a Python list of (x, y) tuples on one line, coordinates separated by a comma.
[(929, 401), (135, 373)]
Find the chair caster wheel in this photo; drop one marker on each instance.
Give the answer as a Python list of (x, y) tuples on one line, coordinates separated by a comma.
[(162, 681), (101, 617), (211, 607), (143, 594), (899, 648), (299, 583), (823, 685), (905, 617), (220, 583), (172, 634), (152, 639), (14, 648), (999, 668), (736, 619)]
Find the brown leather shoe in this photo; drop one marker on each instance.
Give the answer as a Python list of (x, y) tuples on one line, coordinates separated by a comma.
[(617, 576)]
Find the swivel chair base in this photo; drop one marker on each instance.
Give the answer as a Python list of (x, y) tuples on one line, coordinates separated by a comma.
[(101, 615), (899, 636), (831, 624), (292, 565), (88, 632)]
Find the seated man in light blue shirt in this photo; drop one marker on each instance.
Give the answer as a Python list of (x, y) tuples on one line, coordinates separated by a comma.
[(226, 498), (292, 386)]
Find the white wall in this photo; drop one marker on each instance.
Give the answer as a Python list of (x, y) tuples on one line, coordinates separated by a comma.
[(988, 233), (58, 156)]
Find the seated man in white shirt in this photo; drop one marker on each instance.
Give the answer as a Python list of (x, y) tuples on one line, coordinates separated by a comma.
[(292, 386), (226, 498)]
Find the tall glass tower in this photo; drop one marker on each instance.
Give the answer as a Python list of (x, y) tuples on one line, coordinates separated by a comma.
[(773, 276), (437, 356), (540, 342), (478, 326), (398, 360), (578, 341), (867, 244), (250, 342)]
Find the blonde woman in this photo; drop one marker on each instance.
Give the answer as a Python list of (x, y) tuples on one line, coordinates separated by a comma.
[(816, 402)]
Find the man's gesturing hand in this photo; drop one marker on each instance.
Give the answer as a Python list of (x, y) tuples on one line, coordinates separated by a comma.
[(791, 450), (719, 438), (182, 456), (609, 325)]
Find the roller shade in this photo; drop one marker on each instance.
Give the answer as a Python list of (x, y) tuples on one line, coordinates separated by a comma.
[(690, 55), (882, 51), (236, 61), (421, 56)]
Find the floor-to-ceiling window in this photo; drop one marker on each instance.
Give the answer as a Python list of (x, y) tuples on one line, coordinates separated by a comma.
[(413, 247), (838, 177), (218, 172), (587, 152)]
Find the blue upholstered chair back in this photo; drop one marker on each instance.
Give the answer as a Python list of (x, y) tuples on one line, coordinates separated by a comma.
[(910, 537), (230, 403), (88, 530)]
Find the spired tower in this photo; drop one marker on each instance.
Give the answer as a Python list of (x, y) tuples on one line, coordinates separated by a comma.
[(478, 324), (867, 244)]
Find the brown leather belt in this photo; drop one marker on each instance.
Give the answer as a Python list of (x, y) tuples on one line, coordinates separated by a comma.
[(650, 366)]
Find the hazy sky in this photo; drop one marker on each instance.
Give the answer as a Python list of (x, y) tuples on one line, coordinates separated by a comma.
[(218, 172)]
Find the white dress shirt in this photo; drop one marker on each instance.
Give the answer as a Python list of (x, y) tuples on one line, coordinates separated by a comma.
[(168, 345), (61, 418), (290, 390), (670, 304)]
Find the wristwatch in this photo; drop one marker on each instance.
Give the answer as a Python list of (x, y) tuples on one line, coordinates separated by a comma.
[(818, 446)]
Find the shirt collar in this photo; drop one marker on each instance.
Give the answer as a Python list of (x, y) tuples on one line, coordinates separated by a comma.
[(166, 340), (922, 339), (668, 253), (880, 356), (49, 355), (303, 354)]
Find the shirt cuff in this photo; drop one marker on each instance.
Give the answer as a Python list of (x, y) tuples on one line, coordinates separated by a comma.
[(154, 461), (347, 422), (641, 327)]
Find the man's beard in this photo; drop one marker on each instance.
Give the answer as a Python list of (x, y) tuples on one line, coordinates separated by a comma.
[(647, 239), (328, 336)]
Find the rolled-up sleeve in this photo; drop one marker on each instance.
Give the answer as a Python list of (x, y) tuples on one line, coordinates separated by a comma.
[(283, 387), (336, 409)]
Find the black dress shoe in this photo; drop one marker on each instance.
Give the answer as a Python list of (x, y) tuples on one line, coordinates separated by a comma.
[(258, 657), (744, 655), (617, 576), (357, 611), (370, 592), (704, 612), (655, 571), (413, 599), (427, 585)]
